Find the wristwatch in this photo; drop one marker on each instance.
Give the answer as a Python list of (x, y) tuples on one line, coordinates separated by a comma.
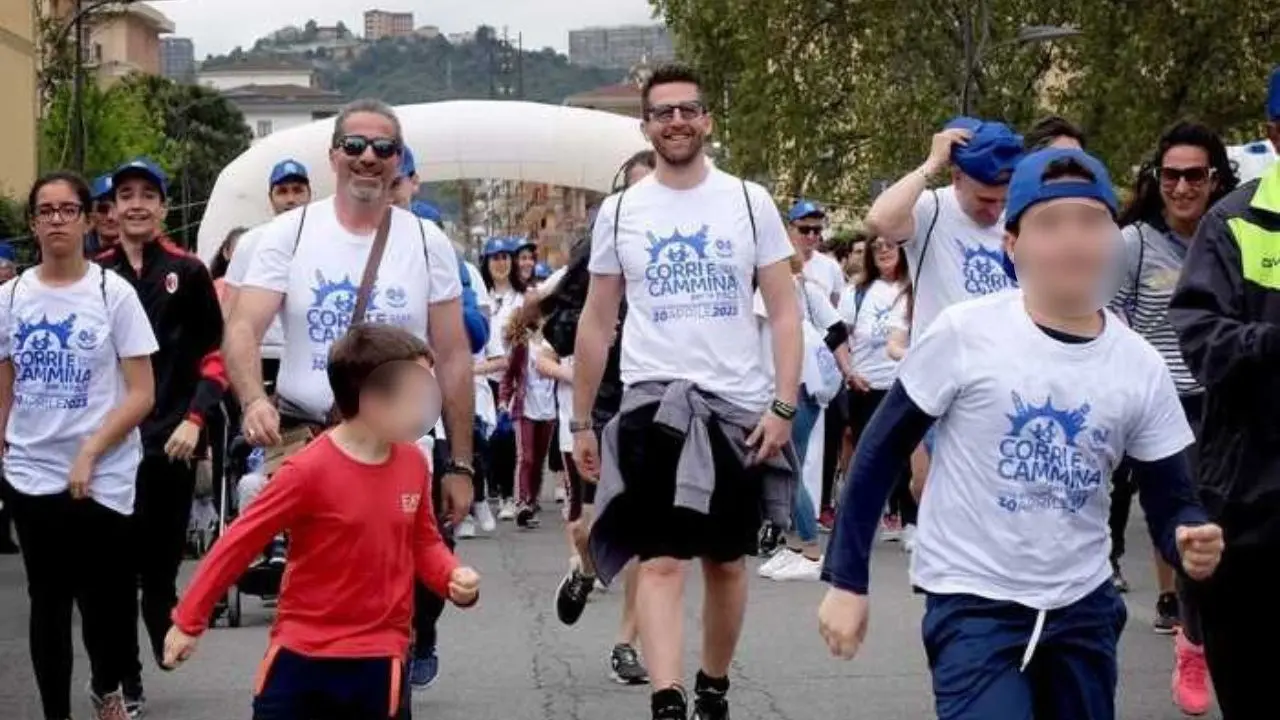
[(580, 426), (784, 410), (457, 467)]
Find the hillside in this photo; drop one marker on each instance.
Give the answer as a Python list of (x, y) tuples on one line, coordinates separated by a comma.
[(412, 70)]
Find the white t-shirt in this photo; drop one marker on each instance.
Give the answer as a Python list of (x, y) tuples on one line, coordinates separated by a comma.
[(539, 390), (688, 258), (826, 272), (884, 309), (564, 398), (963, 260), (66, 344), (246, 248), (321, 281), (504, 304), (1030, 430)]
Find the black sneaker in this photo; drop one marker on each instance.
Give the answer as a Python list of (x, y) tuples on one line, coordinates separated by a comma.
[(709, 701), (670, 704), (770, 539), (527, 517), (571, 596), (135, 700), (625, 666), (1167, 616)]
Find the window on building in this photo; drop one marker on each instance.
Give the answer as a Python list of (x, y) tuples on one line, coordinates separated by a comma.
[(264, 128)]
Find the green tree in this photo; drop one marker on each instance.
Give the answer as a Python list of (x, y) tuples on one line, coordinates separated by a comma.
[(118, 124)]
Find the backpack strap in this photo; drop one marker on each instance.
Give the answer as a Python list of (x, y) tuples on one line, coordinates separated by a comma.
[(928, 235), (301, 221), (755, 235), (617, 216), (102, 286), (1131, 307)]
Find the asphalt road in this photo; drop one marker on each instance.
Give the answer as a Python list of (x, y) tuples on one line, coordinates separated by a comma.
[(510, 659)]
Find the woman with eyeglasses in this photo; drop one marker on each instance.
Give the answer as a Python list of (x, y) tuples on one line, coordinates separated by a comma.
[(75, 381), (1188, 173), (876, 310), (506, 292)]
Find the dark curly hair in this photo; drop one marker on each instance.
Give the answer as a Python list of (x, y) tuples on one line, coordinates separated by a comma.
[(1147, 205)]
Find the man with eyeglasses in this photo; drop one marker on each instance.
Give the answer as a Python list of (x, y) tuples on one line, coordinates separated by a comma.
[(700, 450), (178, 295), (309, 267), (808, 221), (1226, 310)]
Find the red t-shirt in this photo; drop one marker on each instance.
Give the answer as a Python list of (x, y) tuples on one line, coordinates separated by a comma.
[(357, 535)]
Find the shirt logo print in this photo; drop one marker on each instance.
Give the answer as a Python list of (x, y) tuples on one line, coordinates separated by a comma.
[(1054, 459), (409, 503)]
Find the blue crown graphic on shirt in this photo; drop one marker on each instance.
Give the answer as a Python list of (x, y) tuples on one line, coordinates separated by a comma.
[(343, 291), (40, 333), (979, 252), (680, 246), (1044, 421)]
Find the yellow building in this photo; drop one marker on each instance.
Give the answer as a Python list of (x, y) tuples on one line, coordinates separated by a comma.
[(18, 88)]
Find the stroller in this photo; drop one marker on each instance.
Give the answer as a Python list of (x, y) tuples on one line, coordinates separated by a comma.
[(262, 579)]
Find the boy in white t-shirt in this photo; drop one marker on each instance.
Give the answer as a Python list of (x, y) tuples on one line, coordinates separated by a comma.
[(1036, 401)]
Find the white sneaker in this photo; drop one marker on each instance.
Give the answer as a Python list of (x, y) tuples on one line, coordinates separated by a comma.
[(507, 510), (801, 568), (484, 516), (780, 560), (560, 494), (909, 539), (466, 529)]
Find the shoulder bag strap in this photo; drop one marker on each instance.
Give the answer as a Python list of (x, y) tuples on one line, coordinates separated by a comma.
[(371, 269), (617, 216), (1132, 308), (755, 235), (928, 235), (297, 239)]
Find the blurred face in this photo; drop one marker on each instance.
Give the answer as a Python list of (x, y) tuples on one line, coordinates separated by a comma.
[(402, 410), (367, 158), (984, 204), (7, 271), (104, 221), (525, 261), (1187, 181), (404, 189), (1065, 252), (885, 253), (500, 267), (140, 207), (853, 264), (806, 235), (637, 172), (58, 220), (677, 123), (289, 194)]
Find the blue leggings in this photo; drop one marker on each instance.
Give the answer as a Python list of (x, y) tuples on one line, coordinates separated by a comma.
[(804, 515)]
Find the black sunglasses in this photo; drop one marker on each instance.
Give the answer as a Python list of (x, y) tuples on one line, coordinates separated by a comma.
[(809, 229), (691, 110), (1193, 175), (355, 145)]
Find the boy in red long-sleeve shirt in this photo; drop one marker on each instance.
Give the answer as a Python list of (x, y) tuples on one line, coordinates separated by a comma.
[(357, 505)]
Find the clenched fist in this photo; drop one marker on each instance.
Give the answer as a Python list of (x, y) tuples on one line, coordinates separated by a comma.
[(1200, 547), (464, 587), (842, 622)]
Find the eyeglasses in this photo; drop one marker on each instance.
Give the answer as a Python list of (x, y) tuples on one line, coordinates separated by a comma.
[(103, 207), (884, 245), (63, 213), (664, 114), (355, 145), (1193, 175), (809, 229)]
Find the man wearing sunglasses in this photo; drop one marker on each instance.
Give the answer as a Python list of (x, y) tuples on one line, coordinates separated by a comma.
[(1226, 309), (310, 266), (687, 245), (808, 221)]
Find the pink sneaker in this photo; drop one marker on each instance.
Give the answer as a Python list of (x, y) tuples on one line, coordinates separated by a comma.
[(1190, 677)]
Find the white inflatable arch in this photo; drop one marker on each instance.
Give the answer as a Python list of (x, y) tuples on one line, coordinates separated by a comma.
[(460, 140)]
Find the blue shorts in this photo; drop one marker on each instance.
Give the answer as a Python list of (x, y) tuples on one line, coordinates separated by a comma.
[(976, 647), (291, 686)]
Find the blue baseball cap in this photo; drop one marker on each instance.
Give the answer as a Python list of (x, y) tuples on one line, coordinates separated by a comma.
[(141, 167), (7, 253), (289, 170), (520, 243), (805, 208), (541, 271), (427, 211), (1273, 96), (992, 152), (496, 245), (408, 166), (101, 187)]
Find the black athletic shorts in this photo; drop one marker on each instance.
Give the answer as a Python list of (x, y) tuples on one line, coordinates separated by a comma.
[(555, 458), (648, 517)]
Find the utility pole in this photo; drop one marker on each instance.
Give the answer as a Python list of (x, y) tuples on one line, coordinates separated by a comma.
[(520, 66), (77, 93)]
